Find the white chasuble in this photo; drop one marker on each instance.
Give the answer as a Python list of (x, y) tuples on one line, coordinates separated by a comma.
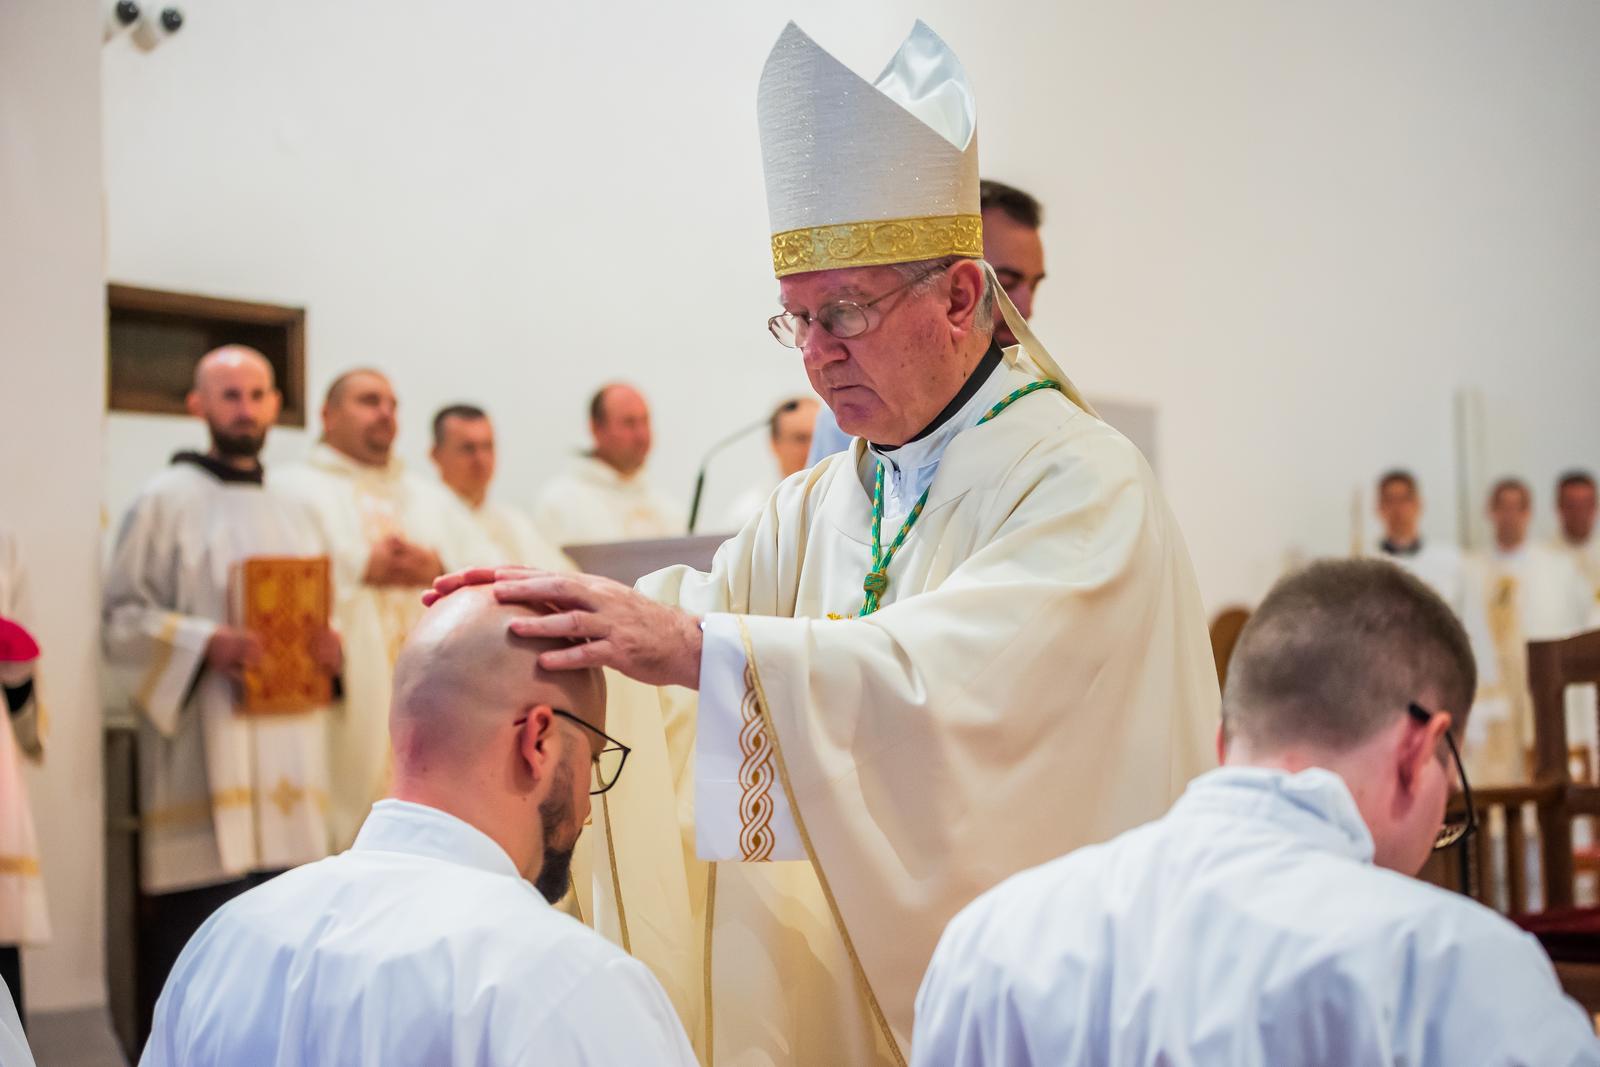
[(592, 503), (221, 793), (1038, 677), (515, 538), (23, 917), (355, 507)]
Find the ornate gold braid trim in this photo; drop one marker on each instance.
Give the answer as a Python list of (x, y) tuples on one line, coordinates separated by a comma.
[(870, 244)]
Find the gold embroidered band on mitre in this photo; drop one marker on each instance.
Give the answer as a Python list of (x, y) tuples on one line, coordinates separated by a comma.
[(871, 244)]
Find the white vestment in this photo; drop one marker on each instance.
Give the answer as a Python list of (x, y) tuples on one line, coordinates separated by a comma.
[(1585, 558), (591, 503), (1534, 593), (23, 917), (1039, 677), (356, 506), (515, 537), (221, 794), (1247, 928), (420, 945)]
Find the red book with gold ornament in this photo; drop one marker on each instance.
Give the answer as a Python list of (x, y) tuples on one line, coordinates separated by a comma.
[(285, 602)]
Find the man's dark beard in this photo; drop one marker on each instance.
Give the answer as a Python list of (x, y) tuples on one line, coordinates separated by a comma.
[(554, 815), (237, 445)]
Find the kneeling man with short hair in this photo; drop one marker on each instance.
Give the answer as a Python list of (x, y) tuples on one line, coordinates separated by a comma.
[(428, 943), (1269, 917)]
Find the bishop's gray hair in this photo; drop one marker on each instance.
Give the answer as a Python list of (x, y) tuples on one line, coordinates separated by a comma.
[(1340, 649), (983, 319)]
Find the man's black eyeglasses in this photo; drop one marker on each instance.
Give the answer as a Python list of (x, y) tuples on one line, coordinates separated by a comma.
[(1454, 830), (606, 766)]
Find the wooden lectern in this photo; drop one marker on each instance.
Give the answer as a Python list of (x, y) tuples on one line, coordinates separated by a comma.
[(628, 561)]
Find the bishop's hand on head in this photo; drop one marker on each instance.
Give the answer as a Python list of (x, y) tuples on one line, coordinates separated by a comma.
[(609, 623)]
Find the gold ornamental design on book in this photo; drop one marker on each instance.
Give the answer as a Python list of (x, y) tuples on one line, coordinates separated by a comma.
[(285, 602)]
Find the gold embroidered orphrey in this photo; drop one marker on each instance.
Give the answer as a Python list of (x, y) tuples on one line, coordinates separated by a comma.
[(868, 244), (756, 778)]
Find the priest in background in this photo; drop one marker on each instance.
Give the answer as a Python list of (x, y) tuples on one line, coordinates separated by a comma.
[(431, 941), (1576, 507), (605, 496), (464, 452), (789, 436), (1532, 593), (389, 533), (23, 918), (1445, 570), (226, 800), (931, 661)]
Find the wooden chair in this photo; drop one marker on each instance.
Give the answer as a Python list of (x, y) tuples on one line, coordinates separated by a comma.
[(1570, 935), (1224, 636), (1557, 794), (1552, 667)]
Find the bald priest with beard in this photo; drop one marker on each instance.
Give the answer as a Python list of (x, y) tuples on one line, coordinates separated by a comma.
[(432, 940)]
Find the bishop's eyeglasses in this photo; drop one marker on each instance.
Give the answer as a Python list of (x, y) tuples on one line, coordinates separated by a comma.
[(842, 319), (606, 765), (1454, 830)]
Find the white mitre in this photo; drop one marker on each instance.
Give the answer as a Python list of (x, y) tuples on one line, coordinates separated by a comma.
[(864, 174)]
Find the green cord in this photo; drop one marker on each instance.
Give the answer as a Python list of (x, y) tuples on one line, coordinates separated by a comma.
[(876, 583)]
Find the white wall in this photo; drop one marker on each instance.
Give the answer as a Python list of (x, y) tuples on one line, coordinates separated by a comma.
[(52, 371), (1294, 229)]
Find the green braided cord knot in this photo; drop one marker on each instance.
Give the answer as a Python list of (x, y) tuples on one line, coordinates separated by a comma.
[(877, 580)]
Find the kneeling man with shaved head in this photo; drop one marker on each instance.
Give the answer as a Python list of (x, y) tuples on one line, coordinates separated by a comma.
[(432, 940)]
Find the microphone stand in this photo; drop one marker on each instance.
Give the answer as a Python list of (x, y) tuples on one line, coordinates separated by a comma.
[(711, 453)]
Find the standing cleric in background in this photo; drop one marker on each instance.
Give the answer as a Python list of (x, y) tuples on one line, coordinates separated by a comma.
[(969, 644), (1576, 506), (389, 532), (23, 918), (226, 799), (464, 452), (605, 496), (1012, 246), (789, 430)]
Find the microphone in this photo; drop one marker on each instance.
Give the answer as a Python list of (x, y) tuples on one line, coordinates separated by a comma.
[(711, 453)]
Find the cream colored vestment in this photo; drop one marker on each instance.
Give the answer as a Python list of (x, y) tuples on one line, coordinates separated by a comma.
[(24, 919), (1039, 678), (221, 794)]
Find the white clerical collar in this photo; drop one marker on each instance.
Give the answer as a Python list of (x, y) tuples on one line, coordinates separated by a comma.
[(598, 470), (909, 469), (1314, 804), (325, 455), (417, 830)]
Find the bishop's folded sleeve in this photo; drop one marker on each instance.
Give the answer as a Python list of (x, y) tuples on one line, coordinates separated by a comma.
[(741, 810)]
